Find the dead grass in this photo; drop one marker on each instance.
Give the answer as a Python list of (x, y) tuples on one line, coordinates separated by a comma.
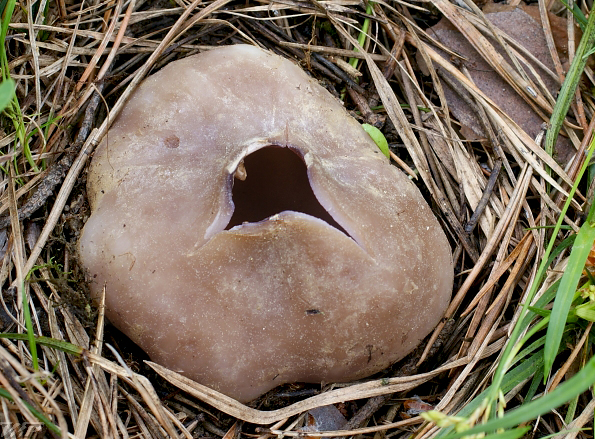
[(76, 65)]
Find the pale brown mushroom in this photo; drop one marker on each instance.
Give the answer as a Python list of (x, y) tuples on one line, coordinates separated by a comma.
[(331, 267)]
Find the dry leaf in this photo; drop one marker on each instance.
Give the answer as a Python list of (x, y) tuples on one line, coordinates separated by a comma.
[(519, 25)]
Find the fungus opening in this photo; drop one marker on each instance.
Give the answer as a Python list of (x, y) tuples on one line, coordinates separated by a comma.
[(274, 179)]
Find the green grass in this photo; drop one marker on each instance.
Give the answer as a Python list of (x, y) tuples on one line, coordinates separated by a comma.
[(39, 415), (572, 306), (13, 109), (9, 104), (52, 343), (361, 39), (538, 407), (571, 83)]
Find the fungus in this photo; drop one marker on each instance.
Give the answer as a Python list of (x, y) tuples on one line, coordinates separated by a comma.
[(250, 233)]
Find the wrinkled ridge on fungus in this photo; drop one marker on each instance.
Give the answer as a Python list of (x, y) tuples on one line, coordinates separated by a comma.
[(333, 266)]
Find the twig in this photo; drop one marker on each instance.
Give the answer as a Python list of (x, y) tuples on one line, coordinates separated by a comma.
[(487, 193), (58, 170), (371, 406), (332, 51)]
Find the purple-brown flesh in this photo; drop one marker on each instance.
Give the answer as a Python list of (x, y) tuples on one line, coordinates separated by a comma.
[(332, 266)]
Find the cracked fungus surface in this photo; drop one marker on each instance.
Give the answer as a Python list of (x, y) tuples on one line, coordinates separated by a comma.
[(333, 267)]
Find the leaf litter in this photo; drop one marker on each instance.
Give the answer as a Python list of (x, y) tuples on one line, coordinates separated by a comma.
[(462, 105)]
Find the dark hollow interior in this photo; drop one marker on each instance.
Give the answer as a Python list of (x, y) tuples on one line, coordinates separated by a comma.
[(276, 181)]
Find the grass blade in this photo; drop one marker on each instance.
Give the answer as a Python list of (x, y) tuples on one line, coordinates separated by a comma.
[(523, 371), (570, 83), (6, 93), (6, 16), (510, 434), (64, 346), (563, 393), (49, 424), (566, 292)]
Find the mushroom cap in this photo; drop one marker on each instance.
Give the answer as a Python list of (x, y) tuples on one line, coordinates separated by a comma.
[(295, 296)]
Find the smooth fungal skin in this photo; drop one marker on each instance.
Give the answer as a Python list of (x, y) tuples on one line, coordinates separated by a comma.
[(341, 282)]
